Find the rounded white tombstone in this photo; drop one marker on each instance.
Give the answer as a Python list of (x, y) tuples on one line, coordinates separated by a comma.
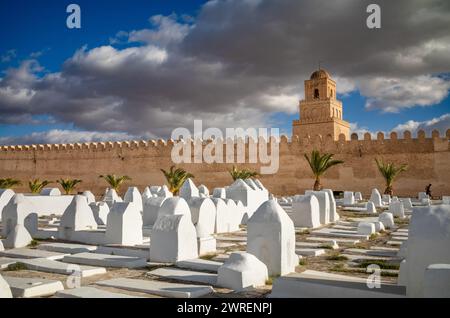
[(18, 238), (219, 193), (370, 208), (397, 210), (222, 221), (271, 238), (189, 190), (242, 271), (100, 211), (89, 196), (334, 216), (305, 211), (151, 210), (379, 226), (124, 225), (50, 192), (173, 206), (387, 219), (134, 196), (375, 197), (19, 210), (324, 205), (366, 228), (203, 215)]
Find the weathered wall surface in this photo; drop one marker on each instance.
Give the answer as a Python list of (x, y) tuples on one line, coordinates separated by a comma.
[(428, 159)]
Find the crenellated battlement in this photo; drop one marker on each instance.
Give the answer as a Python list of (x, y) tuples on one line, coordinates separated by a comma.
[(400, 141)]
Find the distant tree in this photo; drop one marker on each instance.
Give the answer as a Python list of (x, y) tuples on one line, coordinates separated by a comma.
[(69, 184), (175, 178), (115, 182), (243, 174), (320, 164), (36, 185), (389, 171), (9, 183)]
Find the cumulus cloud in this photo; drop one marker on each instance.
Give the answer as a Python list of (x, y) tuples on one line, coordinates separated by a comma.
[(59, 136), (8, 56), (238, 62)]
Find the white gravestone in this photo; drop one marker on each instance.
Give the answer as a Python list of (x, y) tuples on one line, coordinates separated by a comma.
[(271, 238), (387, 219), (134, 196), (77, 217), (189, 190), (358, 196), (124, 225), (19, 210), (89, 196), (174, 237), (5, 291), (202, 189), (397, 210), (222, 224), (203, 214), (219, 193), (375, 197), (242, 271), (349, 198), (428, 243), (151, 210), (324, 205), (5, 196), (334, 216), (50, 192), (100, 211), (305, 211), (370, 208), (112, 197), (366, 228), (18, 238)]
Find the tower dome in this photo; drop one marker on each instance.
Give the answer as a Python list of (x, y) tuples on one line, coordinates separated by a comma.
[(320, 74)]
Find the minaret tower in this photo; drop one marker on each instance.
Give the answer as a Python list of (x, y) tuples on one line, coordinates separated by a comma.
[(320, 111)]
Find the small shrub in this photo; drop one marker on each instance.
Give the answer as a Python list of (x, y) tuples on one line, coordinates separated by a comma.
[(16, 267), (337, 257), (33, 243), (303, 262)]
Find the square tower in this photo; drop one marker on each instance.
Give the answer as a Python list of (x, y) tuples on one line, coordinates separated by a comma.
[(320, 111)]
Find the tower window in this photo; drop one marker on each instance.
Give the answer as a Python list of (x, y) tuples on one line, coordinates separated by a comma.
[(331, 93), (316, 93)]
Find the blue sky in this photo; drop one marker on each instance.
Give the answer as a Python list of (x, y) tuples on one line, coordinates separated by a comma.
[(32, 31)]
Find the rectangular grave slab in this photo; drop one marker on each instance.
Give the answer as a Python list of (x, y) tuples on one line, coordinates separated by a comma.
[(200, 265), (336, 233), (103, 260), (22, 287), (66, 248), (90, 292), (328, 240), (159, 288), (6, 261), (31, 253), (309, 251), (313, 284), (399, 238), (362, 258), (184, 275), (141, 252), (394, 243), (50, 266), (372, 252)]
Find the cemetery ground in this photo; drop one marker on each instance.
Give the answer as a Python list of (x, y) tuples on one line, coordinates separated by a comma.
[(350, 258)]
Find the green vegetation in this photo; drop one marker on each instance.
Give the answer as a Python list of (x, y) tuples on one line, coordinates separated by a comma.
[(243, 174), (36, 185), (115, 182), (319, 165), (16, 267), (389, 171), (9, 183), (382, 263), (68, 185), (175, 178)]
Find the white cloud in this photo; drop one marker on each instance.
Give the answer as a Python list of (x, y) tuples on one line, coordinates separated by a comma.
[(440, 124)]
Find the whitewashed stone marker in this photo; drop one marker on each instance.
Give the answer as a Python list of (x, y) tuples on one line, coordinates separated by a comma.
[(111, 197), (151, 210), (324, 205), (90, 197), (164, 192), (19, 210), (5, 291), (386, 198), (375, 197), (222, 224), (134, 196), (437, 281), (250, 198), (155, 189), (407, 204), (334, 216), (189, 190), (77, 217), (18, 238), (271, 238), (428, 243), (397, 210), (233, 215), (203, 214), (349, 198), (379, 226), (387, 219), (146, 194), (175, 205), (100, 211), (366, 228), (370, 208), (445, 200), (5, 196), (242, 271), (124, 225), (305, 211), (50, 192), (219, 193), (173, 238), (423, 195), (202, 189), (358, 196)]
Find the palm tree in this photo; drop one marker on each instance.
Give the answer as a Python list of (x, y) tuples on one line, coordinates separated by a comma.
[(243, 174), (9, 183), (176, 178), (389, 172), (319, 164), (36, 185), (68, 184), (115, 182)]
